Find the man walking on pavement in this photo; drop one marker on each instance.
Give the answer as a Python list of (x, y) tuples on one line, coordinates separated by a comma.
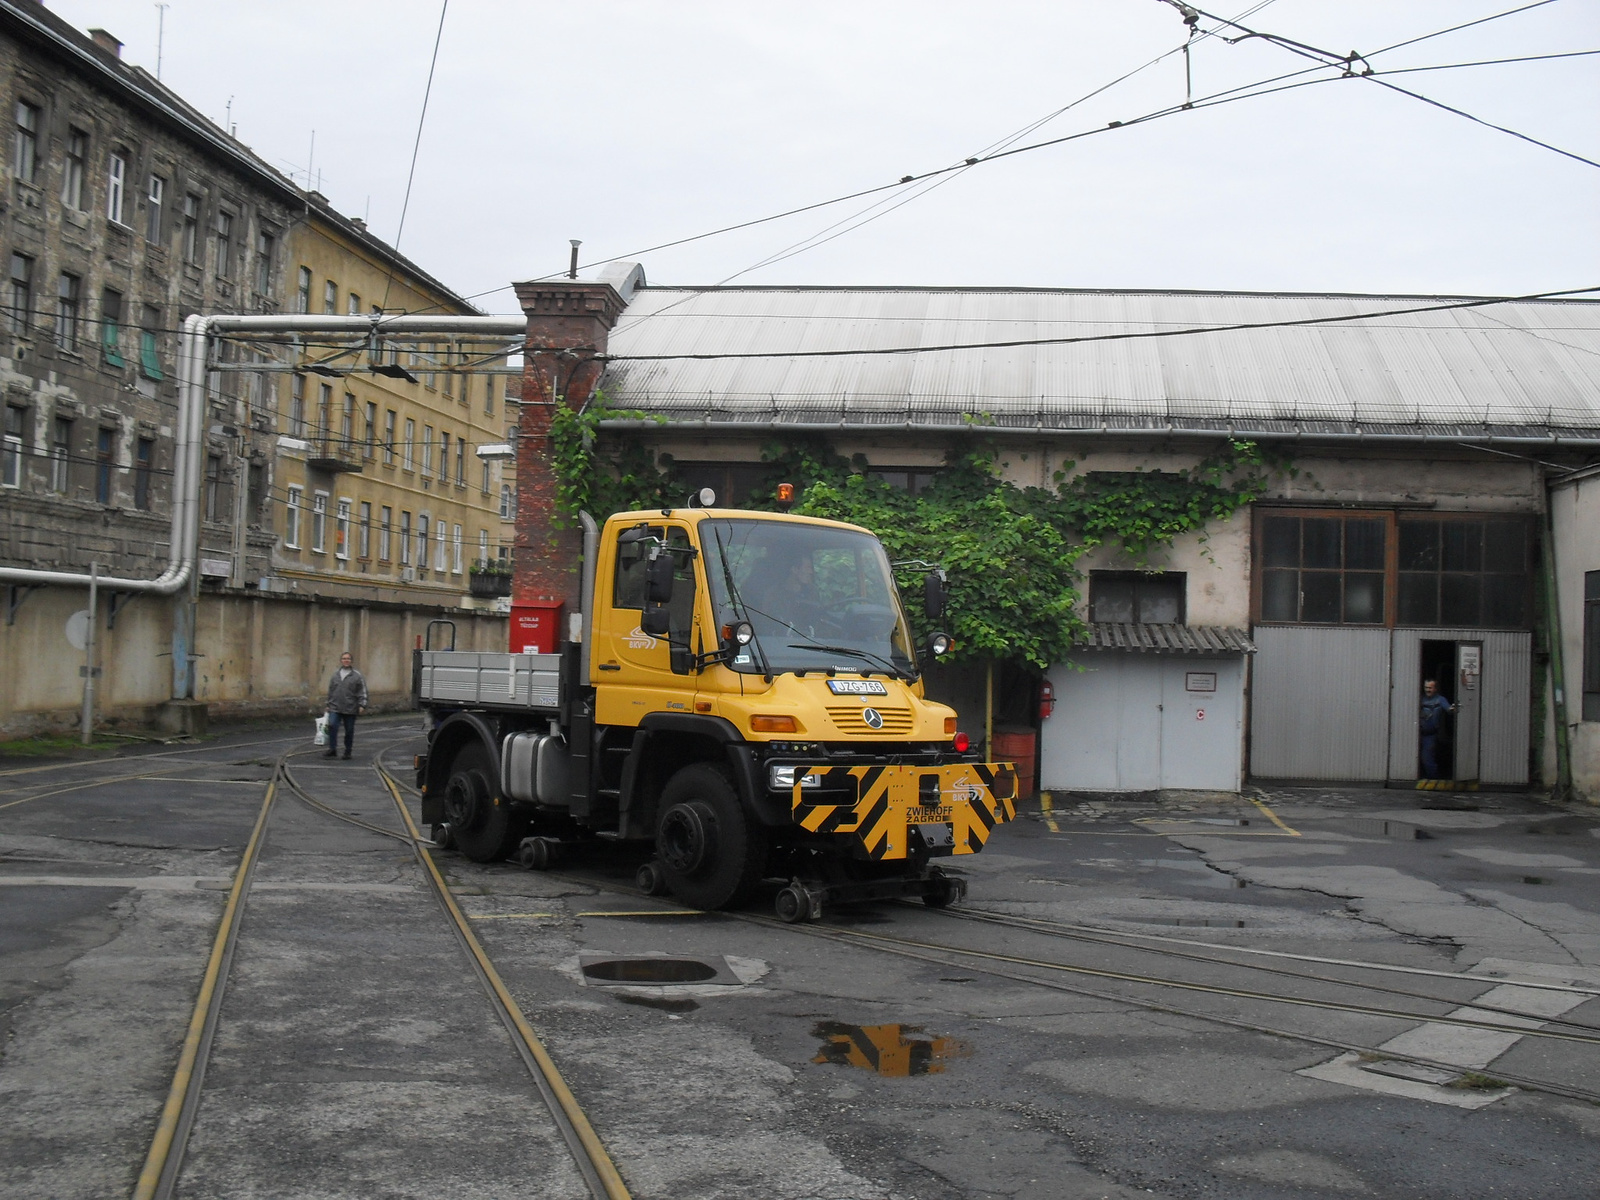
[(1434, 710), (347, 698)]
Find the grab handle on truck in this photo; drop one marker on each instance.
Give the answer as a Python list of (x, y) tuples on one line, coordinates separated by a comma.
[(441, 621)]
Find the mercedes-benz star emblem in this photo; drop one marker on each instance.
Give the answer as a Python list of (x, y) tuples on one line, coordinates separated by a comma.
[(872, 717)]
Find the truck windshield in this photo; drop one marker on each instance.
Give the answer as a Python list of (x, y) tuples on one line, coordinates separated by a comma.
[(816, 597)]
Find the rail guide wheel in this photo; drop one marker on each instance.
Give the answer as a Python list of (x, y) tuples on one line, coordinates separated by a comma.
[(943, 890), (442, 837), (537, 853), (651, 880), (796, 902)]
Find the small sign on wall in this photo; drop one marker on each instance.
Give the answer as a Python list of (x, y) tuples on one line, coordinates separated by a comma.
[(1200, 681)]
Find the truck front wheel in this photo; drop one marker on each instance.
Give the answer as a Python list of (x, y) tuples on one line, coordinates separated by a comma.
[(708, 851), (481, 822)]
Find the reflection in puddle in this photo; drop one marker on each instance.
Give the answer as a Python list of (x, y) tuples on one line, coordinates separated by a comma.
[(885, 1049), (649, 970)]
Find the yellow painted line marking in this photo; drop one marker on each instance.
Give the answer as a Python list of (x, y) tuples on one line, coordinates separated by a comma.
[(1273, 817), (155, 1162), (599, 1157), (1046, 807)]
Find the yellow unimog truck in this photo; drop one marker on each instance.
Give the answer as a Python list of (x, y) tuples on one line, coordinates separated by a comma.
[(741, 689)]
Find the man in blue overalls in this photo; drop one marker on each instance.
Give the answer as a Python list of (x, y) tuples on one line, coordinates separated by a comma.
[(1434, 710)]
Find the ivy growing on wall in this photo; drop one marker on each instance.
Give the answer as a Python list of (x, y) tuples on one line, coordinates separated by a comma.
[(1011, 553)]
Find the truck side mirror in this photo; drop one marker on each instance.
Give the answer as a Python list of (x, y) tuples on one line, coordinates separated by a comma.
[(656, 620), (659, 580), (933, 595)]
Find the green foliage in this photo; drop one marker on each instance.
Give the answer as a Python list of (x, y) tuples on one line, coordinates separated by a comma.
[(587, 480), (1011, 553), (1145, 509)]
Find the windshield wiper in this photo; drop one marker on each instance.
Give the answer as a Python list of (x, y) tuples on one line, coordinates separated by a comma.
[(737, 600), (893, 671)]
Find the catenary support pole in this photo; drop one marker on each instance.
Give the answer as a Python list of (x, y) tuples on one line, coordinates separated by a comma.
[(88, 654)]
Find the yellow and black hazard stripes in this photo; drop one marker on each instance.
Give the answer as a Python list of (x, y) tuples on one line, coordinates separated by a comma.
[(952, 809)]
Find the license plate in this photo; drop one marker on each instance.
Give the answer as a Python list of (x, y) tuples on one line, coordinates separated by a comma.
[(857, 687)]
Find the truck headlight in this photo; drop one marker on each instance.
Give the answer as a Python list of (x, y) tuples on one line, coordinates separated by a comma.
[(781, 779)]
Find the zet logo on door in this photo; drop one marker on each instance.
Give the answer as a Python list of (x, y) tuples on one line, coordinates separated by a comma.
[(640, 640)]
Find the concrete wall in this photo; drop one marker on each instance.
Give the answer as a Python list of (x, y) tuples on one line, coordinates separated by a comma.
[(1575, 515), (260, 655)]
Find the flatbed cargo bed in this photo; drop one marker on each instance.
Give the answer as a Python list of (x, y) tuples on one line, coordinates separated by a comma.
[(489, 679)]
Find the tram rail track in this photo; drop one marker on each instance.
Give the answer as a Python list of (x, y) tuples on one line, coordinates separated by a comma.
[(163, 1164)]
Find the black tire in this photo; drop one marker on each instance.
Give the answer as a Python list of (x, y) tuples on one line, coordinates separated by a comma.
[(707, 849), (482, 825)]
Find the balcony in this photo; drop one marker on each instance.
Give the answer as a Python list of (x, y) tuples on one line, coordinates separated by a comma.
[(335, 455)]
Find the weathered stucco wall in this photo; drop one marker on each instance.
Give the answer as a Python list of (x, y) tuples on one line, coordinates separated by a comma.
[(260, 655), (1575, 514)]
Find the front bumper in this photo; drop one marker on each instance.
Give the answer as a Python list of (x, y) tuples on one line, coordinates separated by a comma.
[(895, 812)]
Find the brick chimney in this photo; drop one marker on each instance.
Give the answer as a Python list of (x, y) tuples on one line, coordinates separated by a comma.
[(569, 321), (106, 42)]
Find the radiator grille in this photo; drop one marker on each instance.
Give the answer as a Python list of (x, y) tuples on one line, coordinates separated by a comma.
[(848, 719)]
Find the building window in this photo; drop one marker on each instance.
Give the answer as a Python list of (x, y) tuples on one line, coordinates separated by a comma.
[(319, 522), (192, 246), (25, 143), (505, 502), (324, 412), (455, 549), (330, 297), (72, 172), (116, 185), (1451, 571), (297, 406), (354, 307), (405, 538), (1320, 570), (105, 460), (1137, 597), (486, 474), (61, 456), (483, 548), (388, 438), (69, 305), (911, 479), (213, 491), (347, 423), (291, 518), (461, 462), (489, 383), (149, 346), (111, 327), (444, 457), (19, 299), (364, 530), (370, 441), (143, 460), (1591, 645), (224, 245), (302, 295), (266, 251), (1473, 573), (11, 448), (439, 547), (385, 521), (152, 210), (408, 447), (341, 530), (427, 450), (422, 541)]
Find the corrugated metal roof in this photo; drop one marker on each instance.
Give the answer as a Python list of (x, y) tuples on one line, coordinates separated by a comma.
[(1168, 639), (1515, 368)]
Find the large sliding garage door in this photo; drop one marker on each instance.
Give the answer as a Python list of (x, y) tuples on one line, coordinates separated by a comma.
[(1319, 703)]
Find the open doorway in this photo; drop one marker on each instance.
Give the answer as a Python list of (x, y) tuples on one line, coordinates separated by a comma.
[(1438, 660)]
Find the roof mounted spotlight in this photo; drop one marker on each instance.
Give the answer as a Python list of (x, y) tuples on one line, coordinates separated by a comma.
[(496, 452), (704, 498)]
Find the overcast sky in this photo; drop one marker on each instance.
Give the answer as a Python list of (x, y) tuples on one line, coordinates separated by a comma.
[(632, 124)]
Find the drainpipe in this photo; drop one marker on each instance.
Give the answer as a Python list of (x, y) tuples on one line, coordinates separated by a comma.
[(1558, 681)]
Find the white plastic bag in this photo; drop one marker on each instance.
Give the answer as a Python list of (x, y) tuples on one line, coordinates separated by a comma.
[(322, 730)]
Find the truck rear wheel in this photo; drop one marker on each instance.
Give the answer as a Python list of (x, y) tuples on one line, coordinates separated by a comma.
[(481, 822), (708, 852)]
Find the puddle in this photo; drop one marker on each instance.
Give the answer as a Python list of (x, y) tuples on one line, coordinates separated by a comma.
[(649, 970), (1221, 820), (886, 1049), (664, 1003), (1534, 879)]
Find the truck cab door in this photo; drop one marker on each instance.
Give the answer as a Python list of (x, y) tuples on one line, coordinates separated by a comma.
[(635, 672)]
